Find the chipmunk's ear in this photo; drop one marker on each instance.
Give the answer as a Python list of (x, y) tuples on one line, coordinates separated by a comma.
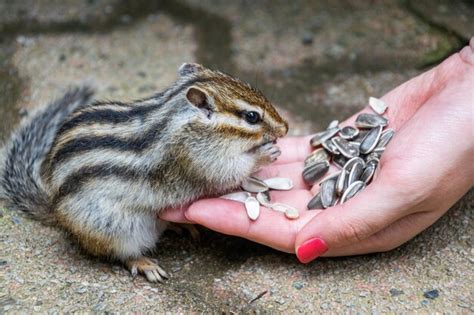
[(189, 68), (199, 98)]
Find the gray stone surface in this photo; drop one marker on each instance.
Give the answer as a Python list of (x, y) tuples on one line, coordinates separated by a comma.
[(316, 60), (453, 16)]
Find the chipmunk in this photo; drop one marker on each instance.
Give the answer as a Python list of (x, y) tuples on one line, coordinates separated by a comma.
[(104, 170)]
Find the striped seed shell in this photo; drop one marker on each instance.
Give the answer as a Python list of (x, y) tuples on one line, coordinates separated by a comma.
[(279, 183), (280, 207), (315, 202), (377, 105), (239, 196), (341, 182), (330, 176), (344, 146), (328, 192), (314, 172), (360, 136), (316, 156), (322, 136), (289, 211), (339, 160), (333, 124), (355, 173), (366, 120), (330, 147), (253, 208), (352, 190), (264, 198), (373, 156), (385, 138), (254, 185), (379, 151), (348, 165), (348, 132), (369, 171), (371, 139)]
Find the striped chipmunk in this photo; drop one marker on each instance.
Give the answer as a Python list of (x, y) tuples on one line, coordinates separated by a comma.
[(104, 170)]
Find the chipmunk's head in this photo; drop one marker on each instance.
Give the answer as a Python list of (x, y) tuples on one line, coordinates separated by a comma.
[(234, 108), (236, 127)]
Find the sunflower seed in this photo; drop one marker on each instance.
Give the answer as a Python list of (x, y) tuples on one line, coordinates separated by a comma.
[(339, 160), (314, 172), (330, 176), (360, 136), (289, 211), (315, 202), (348, 132), (346, 149), (356, 172), (379, 151), (385, 138), (280, 207), (322, 136), (333, 124), (377, 105), (366, 120), (371, 139), (328, 196), (292, 213), (369, 171), (239, 196), (264, 198), (254, 185), (279, 183), (253, 208), (348, 165), (340, 182), (317, 155), (352, 190), (372, 156), (330, 147)]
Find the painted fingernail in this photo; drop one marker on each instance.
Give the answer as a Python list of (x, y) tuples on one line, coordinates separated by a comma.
[(311, 249)]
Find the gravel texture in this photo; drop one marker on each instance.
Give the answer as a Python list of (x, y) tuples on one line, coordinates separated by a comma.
[(311, 59)]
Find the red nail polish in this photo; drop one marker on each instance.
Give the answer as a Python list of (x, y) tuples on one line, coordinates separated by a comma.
[(310, 250)]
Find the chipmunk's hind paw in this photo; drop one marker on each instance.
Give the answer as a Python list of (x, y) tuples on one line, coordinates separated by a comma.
[(149, 268)]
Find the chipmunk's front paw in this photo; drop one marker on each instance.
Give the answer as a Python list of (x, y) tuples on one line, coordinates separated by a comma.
[(148, 267), (268, 153)]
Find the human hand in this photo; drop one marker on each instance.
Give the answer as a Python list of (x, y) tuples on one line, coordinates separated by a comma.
[(425, 169)]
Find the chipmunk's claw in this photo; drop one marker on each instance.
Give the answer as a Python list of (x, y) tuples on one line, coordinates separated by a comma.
[(148, 267)]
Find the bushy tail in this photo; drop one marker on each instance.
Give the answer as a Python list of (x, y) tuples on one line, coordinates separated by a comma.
[(21, 158)]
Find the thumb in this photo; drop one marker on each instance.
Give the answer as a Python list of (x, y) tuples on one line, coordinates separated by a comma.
[(374, 208)]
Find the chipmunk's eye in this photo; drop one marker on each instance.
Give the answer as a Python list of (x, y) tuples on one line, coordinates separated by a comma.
[(252, 117)]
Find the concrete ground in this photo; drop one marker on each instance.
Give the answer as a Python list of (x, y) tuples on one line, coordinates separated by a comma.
[(317, 61)]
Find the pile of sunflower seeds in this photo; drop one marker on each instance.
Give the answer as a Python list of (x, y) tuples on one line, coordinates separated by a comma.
[(260, 188), (355, 150)]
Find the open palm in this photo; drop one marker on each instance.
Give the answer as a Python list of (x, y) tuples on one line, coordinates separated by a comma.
[(425, 169)]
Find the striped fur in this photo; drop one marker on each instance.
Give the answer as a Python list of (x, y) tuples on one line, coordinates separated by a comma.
[(109, 168)]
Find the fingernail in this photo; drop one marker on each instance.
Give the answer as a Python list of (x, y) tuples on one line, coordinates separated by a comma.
[(310, 250)]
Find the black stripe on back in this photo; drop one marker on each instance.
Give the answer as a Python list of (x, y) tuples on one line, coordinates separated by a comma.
[(89, 143), (75, 181), (98, 115)]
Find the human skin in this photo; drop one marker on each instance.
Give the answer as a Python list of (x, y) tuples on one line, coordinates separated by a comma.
[(425, 169)]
